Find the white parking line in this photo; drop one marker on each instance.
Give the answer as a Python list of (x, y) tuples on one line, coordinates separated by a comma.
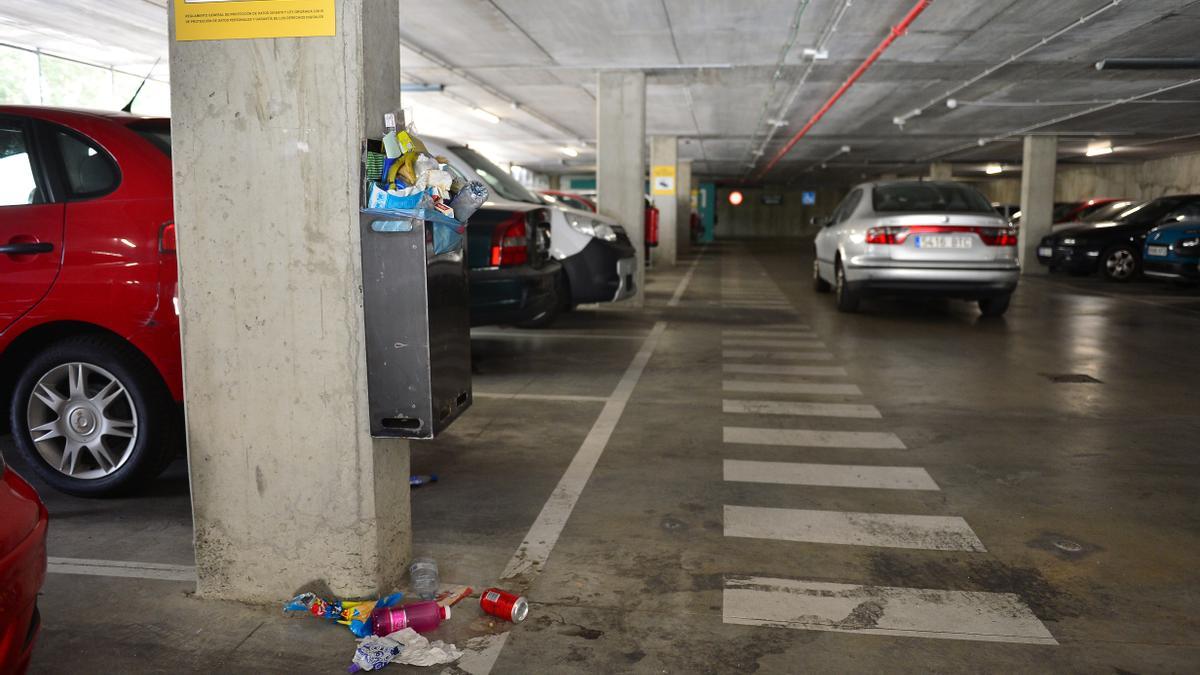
[(791, 388), (775, 356), (882, 610), (121, 568), (810, 341), (687, 279), (830, 475), (759, 369), (814, 438), (803, 408), (561, 334), (930, 533)]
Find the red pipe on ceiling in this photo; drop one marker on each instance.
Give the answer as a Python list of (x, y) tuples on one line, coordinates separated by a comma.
[(897, 30)]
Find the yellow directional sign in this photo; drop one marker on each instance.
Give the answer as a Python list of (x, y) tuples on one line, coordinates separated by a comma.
[(241, 19)]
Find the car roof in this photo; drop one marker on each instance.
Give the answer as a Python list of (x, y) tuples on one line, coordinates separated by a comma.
[(43, 111)]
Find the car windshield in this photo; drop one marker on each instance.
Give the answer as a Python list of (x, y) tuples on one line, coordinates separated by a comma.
[(158, 132), (499, 180), (1148, 212), (929, 198), (1108, 211)]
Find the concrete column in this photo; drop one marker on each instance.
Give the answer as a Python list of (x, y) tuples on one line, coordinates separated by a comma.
[(683, 207), (1037, 198), (621, 158), (555, 181), (941, 171), (288, 488), (664, 152)]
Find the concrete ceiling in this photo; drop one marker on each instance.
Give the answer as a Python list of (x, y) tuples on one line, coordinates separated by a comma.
[(723, 74)]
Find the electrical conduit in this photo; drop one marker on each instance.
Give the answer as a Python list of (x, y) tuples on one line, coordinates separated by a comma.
[(897, 30)]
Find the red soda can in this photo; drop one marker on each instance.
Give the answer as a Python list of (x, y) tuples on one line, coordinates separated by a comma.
[(505, 605)]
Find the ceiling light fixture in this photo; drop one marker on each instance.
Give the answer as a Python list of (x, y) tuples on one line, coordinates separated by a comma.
[(485, 115), (569, 151), (993, 169), (1098, 149)]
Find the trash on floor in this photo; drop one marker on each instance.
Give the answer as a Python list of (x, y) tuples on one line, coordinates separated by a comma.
[(406, 647), (418, 481), (420, 616), (373, 653), (450, 596), (355, 615), (505, 605), (423, 578)]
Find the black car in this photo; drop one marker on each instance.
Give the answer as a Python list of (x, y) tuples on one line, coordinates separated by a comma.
[(1113, 247), (512, 276)]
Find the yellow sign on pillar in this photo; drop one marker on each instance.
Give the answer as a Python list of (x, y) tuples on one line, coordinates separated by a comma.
[(242, 19), (662, 179)]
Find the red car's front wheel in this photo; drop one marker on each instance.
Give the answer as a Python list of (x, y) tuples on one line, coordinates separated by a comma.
[(92, 417)]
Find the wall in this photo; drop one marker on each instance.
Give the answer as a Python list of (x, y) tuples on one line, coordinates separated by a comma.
[(1001, 190), (755, 219), (1136, 180)]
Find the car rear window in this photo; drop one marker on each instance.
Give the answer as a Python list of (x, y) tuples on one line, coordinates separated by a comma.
[(158, 132), (929, 198)]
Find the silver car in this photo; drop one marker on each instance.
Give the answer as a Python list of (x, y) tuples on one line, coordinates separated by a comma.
[(928, 237)]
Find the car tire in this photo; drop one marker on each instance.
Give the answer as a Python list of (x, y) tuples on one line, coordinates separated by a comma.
[(846, 295), (72, 393), (819, 284), (1120, 263), (561, 299), (995, 305)]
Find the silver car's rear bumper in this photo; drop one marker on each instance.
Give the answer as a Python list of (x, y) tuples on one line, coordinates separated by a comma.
[(944, 280)]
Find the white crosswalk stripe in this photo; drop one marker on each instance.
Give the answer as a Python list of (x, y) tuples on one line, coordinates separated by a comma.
[(830, 475), (814, 438), (801, 408), (809, 371), (882, 610), (791, 388), (931, 533), (803, 341), (776, 356)]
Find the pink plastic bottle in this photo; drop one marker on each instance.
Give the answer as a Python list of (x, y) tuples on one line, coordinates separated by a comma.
[(419, 616)]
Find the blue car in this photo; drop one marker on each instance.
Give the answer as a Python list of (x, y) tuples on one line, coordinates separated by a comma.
[(1173, 251)]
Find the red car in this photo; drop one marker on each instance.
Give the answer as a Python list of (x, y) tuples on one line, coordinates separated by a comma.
[(22, 569), (89, 328)]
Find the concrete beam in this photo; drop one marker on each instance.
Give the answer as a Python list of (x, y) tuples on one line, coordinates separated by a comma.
[(664, 154), (289, 490), (1037, 198), (621, 158)]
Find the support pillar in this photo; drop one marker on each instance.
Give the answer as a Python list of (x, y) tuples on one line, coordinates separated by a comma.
[(941, 171), (621, 158), (289, 490), (664, 155), (555, 181), (1038, 168), (683, 207)]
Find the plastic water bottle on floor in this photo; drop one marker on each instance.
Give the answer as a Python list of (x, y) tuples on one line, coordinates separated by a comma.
[(423, 575)]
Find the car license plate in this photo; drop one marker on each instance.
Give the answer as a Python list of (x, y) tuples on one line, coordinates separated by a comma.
[(1045, 251), (1160, 251), (943, 241)]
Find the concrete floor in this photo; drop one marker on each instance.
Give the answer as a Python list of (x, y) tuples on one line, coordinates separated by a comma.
[(1060, 532)]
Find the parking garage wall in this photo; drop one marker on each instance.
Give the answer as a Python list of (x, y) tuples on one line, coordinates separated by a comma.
[(760, 217), (1142, 180)]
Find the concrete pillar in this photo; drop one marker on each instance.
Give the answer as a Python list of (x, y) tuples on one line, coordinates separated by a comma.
[(664, 156), (683, 207), (889, 176), (1038, 167), (555, 182), (621, 158), (289, 490), (941, 171)]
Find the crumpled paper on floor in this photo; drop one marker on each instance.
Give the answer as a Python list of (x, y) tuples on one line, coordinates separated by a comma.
[(417, 650)]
